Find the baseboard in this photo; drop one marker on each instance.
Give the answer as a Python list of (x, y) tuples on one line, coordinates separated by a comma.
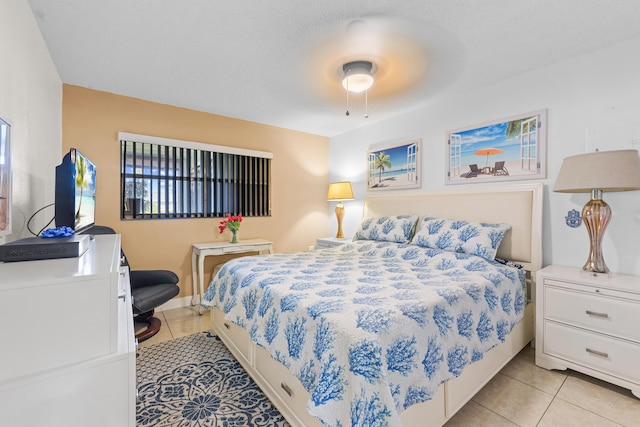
[(175, 303)]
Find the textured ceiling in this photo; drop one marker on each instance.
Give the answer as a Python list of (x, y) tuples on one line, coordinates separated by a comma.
[(278, 62)]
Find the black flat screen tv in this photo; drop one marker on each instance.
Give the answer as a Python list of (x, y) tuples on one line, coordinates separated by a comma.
[(75, 201)]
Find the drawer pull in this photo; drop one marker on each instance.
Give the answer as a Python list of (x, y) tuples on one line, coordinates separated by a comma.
[(286, 389), (597, 353), (595, 313), (226, 325)]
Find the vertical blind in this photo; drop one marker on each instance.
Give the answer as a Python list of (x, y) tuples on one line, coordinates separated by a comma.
[(161, 179)]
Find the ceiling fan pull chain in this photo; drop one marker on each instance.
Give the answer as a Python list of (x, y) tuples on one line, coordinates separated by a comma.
[(366, 104), (347, 98)]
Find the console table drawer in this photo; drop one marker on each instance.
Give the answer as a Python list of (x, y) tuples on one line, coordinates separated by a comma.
[(612, 356), (240, 248), (602, 314)]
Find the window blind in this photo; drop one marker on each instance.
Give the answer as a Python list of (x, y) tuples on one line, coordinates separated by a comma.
[(162, 178)]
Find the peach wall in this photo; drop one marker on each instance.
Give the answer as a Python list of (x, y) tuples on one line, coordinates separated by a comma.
[(91, 121)]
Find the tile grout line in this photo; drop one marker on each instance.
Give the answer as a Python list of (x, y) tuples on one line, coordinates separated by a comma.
[(555, 396), (491, 410)]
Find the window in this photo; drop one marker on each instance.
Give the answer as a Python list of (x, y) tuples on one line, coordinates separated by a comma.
[(5, 178), (164, 178)]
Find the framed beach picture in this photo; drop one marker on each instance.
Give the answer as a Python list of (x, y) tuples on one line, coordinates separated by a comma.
[(5, 178), (394, 166), (503, 150)]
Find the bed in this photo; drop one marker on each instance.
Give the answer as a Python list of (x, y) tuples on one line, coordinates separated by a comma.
[(368, 333)]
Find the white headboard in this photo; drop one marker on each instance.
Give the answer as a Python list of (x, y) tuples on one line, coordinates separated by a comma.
[(519, 206)]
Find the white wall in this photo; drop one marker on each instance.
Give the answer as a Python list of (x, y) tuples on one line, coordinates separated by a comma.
[(593, 101), (31, 101)]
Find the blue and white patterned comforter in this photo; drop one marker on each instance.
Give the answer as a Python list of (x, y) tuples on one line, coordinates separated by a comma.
[(370, 328)]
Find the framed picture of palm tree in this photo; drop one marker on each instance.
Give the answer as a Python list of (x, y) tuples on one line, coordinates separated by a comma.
[(392, 166), (502, 150)]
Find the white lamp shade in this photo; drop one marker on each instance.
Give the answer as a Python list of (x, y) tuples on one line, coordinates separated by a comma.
[(604, 170), (340, 191)]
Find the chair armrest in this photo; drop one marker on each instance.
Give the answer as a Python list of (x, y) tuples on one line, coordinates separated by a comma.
[(141, 278)]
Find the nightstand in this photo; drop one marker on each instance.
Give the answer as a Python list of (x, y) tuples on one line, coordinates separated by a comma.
[(588, 322), (329, 242)]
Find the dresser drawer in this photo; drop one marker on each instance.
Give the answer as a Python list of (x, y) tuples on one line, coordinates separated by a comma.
[(591, 311), (609, 355)]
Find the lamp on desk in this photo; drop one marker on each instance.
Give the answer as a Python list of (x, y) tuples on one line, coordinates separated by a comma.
[(340, 191), (596, 173)]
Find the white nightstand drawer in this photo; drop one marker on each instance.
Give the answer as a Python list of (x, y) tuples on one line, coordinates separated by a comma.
[(330, 242), (612, 356), (598, 313)]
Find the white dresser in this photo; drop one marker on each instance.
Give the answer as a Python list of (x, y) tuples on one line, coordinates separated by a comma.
[(67, 356), (589, 322)]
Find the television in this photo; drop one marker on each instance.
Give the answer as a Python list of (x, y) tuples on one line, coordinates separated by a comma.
[(75, 199)]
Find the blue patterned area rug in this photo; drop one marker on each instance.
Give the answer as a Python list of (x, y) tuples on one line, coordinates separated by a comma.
[(195, 381)]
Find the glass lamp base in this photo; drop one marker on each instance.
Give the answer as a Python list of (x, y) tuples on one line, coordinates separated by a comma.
[(596, 215)]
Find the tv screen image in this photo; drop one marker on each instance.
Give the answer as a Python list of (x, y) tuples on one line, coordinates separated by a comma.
[(75, 203)]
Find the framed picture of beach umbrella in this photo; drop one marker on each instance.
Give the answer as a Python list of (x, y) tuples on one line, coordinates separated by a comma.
[(513, 148), (489, 151)]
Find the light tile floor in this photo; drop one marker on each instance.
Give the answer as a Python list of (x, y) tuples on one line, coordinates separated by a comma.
[(522, 394)]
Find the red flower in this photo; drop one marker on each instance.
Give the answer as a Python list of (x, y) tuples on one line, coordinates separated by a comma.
[(232, 222)]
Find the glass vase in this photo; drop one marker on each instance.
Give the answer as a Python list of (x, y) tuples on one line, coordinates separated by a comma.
[(233, 236)]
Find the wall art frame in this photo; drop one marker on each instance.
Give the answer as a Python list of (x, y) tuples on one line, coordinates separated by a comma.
[(5, 177), (508, 149), (393, 166)]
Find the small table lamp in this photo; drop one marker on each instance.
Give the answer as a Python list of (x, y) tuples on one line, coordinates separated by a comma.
[(340, 191), (595, 173)]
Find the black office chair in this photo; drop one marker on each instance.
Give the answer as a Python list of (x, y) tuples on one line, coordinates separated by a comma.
[(149, 289)]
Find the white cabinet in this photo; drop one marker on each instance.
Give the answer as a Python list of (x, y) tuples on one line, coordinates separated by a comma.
[(68, 345), (329, 242), (589, 322)]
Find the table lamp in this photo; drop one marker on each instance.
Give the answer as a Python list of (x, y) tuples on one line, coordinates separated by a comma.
[(340, 191), (596, 173)]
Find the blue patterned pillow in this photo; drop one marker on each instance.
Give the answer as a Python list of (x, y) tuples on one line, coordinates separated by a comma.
[(397, 229), (460, 236)]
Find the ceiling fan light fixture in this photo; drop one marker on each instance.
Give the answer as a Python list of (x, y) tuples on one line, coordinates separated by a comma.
[(357, 76)]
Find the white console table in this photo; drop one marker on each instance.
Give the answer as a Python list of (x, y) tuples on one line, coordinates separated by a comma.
[(68, 344), (202, 250)]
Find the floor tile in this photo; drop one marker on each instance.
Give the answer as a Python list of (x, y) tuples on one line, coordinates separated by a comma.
[(561, 413), (184, 313), (188, 325), (514, 400), (611, 402), (164, 334), (523, 368), (476, 415)]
